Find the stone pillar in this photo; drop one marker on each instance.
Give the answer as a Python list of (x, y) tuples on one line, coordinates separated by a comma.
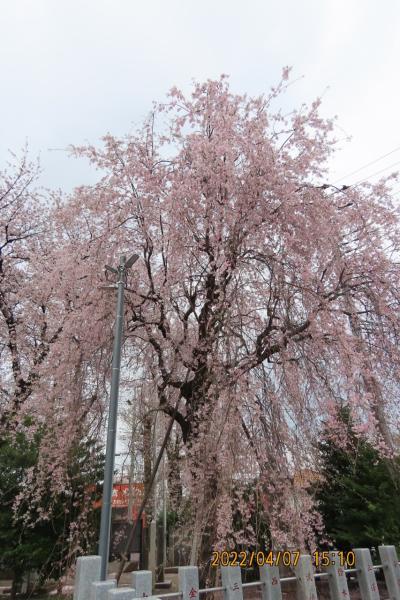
[(232, 581), (366, 574), (87, 572), (153, 549), (121, 594), (142, 581), (305, 587), (99, 589), (171, 550), (25, 583), (189, 582), (391, 570), (270, 578), (337, 579)]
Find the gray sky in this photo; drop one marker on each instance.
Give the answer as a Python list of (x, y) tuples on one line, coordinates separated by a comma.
[(72, 70)]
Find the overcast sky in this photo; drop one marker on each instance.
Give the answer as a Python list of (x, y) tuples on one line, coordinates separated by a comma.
[(73, 70)]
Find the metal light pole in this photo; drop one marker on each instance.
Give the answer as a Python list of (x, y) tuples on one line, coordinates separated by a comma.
[(164, 519), (105, 523)]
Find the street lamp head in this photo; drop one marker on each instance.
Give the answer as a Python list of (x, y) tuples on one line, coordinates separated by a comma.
[(111, 269), (131, 261)]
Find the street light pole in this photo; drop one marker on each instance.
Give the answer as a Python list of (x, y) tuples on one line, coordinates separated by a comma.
[(105, 522)]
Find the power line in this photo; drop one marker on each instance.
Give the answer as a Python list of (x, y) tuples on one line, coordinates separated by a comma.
[(367, 165), (396, 191), (376, 173), (353, 185)]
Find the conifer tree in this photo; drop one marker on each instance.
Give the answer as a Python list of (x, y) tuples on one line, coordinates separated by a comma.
[(44, 545), (359, 496)]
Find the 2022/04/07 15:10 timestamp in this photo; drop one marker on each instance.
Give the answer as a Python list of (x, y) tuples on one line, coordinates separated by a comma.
[(279, 558)]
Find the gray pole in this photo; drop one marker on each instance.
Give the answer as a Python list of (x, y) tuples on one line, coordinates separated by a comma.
[(164, 519), (105, 523)]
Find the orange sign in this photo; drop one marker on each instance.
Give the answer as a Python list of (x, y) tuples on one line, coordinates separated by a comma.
[(120, 496)]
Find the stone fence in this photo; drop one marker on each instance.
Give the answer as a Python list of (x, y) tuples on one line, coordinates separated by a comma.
[(89, 587)]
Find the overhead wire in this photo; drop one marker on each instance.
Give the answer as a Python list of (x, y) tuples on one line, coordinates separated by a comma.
[(376, 173), (396, 191), (353, 185), (372, 162)]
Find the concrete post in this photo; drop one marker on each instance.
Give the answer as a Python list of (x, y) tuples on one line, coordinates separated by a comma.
[(106, 506), (25, 583), (337, 579), (87, 572), (171, 550), (99, 589), (305, 588), (271, 588), (153, 549), (189, 582), (142, 581), (366, 574), (121, 594), (391, 570), (232, 581)]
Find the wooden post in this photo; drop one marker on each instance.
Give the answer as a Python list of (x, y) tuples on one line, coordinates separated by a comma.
[(366, 574), (391, 570), (232, 581), (271, 588), (306, 589), (144, 547)]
